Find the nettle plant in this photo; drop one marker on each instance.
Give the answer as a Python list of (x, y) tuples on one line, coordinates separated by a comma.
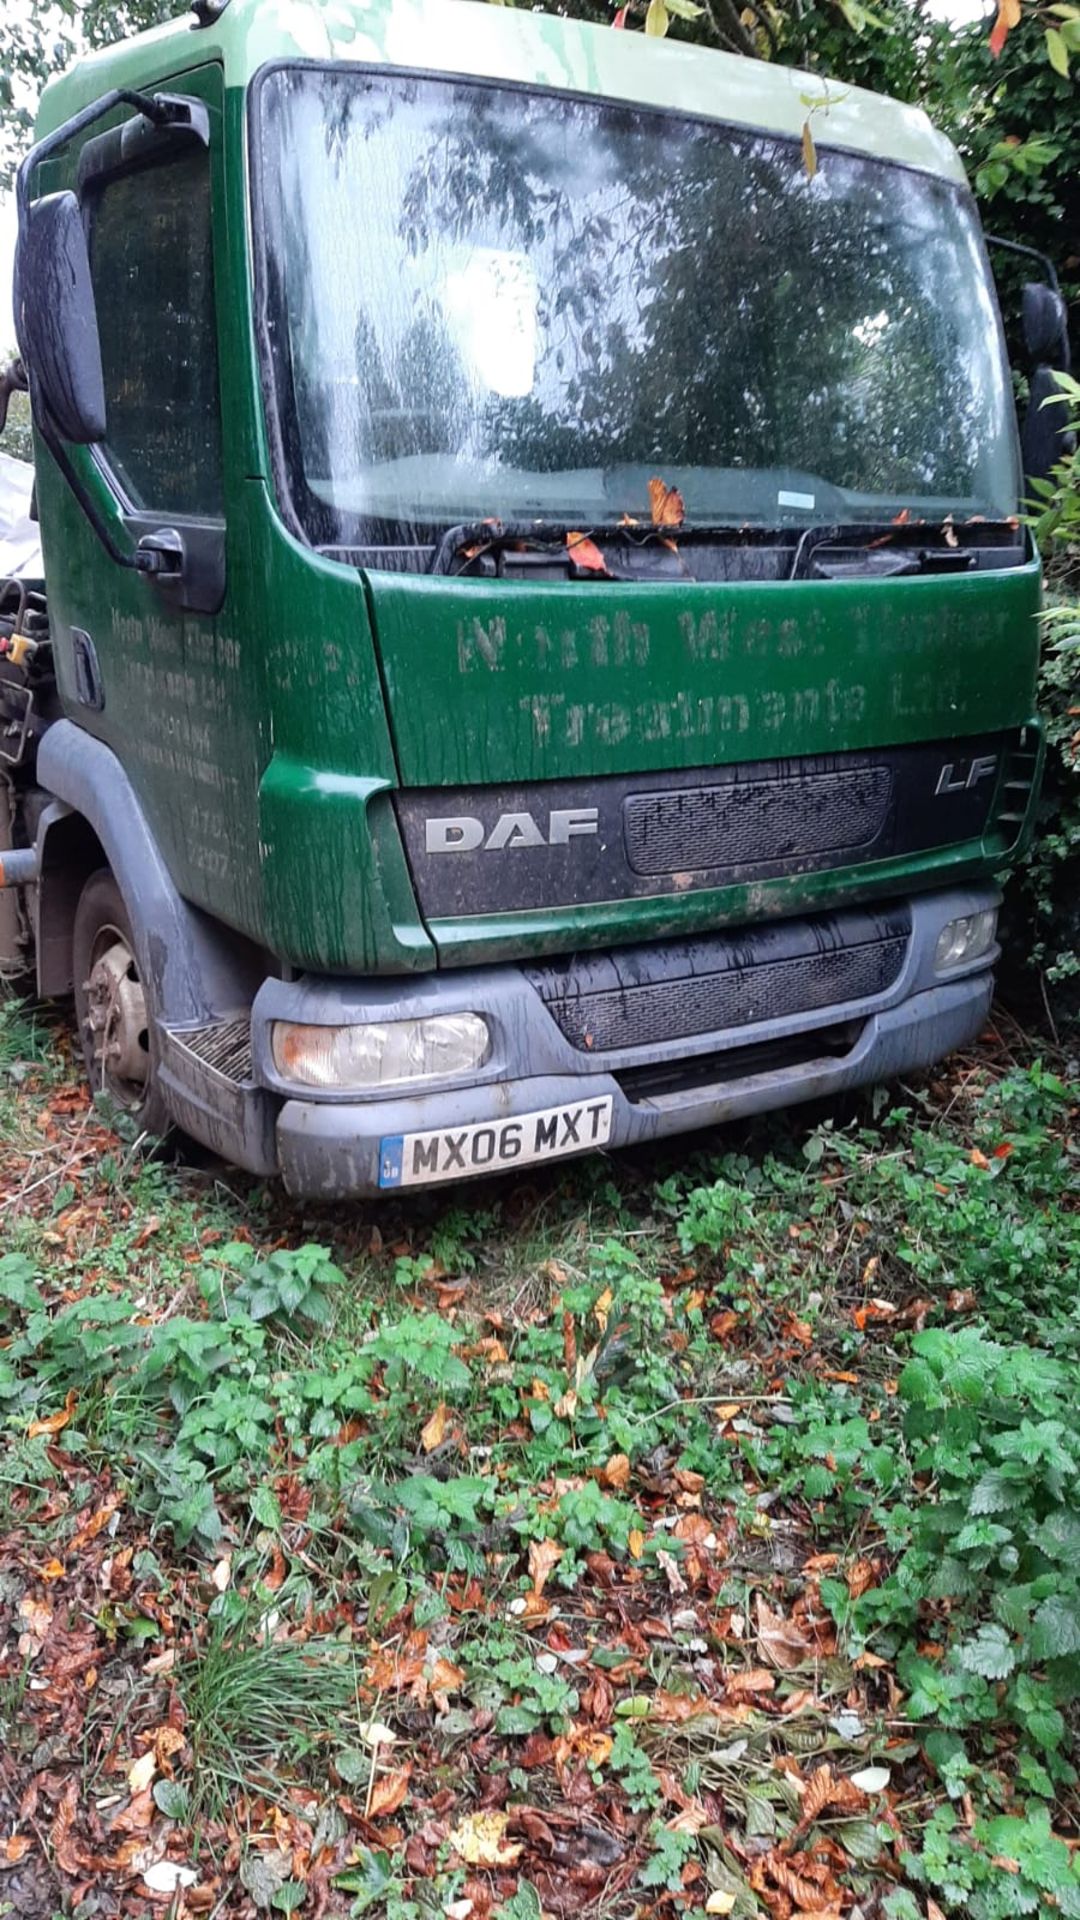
[(1056, 522), (990, 1575)]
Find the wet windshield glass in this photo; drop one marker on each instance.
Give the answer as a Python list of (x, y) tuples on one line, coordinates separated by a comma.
[(484, 301)]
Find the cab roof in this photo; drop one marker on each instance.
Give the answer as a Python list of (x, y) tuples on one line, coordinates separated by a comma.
[(470, 37)]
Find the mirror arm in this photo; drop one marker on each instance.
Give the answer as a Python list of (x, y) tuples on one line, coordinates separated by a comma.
[(1029, 253), (154, 107)]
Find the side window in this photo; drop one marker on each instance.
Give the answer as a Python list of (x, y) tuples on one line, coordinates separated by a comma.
[(151, 264)]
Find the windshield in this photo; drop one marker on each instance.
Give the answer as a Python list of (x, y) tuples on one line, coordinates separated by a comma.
[(487, 301)]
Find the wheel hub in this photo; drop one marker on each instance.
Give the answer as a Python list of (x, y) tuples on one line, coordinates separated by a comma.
[(116, 1016)]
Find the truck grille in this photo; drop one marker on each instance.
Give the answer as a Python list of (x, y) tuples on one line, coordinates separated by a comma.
[(750, 822), (647, 835), (650, 996)]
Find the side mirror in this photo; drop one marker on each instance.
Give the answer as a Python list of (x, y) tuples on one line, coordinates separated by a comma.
[(55, 319), (1046, 326)]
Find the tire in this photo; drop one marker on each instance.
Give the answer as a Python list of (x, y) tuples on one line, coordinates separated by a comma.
[(116, 1030)]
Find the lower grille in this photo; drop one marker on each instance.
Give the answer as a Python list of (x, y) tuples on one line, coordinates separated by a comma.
[(648, 996), (225, 1048), (667, 1079)]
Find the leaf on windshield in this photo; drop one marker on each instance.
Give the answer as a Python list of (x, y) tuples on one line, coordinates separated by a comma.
[(656, 19), (809, 151), (668, 507), (585, 553)]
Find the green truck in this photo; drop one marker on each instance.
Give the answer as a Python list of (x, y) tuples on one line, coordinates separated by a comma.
[(537, 645)]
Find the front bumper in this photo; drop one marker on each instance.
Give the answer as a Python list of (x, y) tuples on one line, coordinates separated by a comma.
[(328, 1147)]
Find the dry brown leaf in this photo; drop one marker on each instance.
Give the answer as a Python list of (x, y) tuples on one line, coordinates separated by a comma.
[(16, 1848), (479, 1840), (167, 1741), (635, 1543), (753, 1680), (666, 504), (544, 1555), (809, 151), (137, 1815), (66, 1849), (780, 1640), (616, 1473), (54, 1423), (826, 1789), (388, 1793), (861, 1575), (433, 1431), (93, 1526), (142, 1771), (670, 1568), (585, 553)]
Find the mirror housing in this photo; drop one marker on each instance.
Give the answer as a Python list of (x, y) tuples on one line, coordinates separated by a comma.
[(1046, 326), (56, 321)]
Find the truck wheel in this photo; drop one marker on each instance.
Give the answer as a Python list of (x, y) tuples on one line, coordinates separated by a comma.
[(115, 1027)]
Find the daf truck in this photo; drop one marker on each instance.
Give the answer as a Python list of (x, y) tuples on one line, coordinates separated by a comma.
[(537, 642)]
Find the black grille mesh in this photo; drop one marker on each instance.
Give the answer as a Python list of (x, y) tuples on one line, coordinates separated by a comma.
[(757, 821), (675, 990)]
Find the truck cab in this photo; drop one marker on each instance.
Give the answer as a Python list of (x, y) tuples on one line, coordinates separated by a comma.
[(537, 646)]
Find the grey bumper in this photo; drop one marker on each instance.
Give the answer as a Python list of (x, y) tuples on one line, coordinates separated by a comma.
[(329, 1147)]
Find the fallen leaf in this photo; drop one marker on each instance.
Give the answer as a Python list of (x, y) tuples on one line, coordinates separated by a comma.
[(388, 1793), (666, 504), (52, 1570), (617, 1471), (670, 1566), (93, 1526), (635, 1543), (720, 1902), (433, 1431), (166, 1876), (780, 1640), (751, 1680), (142, 1771), (544, 1555), (861, 1575), (809, 151), (221, 1575), (871, 1779), (479, 1840), (16, 1848), (54, 1423), (826, 1789), (585, 553)]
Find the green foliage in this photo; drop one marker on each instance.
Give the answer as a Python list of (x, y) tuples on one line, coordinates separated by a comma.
[(37, 41), (1045, 893), (17, 439), (252, 1702), (993, 1558)]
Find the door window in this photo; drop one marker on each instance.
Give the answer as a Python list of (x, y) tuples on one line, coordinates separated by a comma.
[(152, 270)]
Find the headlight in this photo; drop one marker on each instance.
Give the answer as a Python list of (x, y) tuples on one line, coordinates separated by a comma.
[(385, 1053), (965, 939)]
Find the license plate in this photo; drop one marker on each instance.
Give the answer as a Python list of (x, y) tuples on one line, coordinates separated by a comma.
[(446, 1153)]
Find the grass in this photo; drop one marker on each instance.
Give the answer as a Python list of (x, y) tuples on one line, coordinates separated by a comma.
[(656, 1500)]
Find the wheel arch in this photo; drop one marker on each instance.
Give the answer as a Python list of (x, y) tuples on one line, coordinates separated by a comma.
[(193, 968)]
